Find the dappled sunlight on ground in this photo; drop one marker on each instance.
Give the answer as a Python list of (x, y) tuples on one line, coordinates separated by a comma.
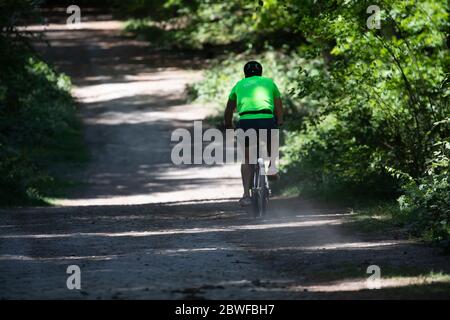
[(84, 25), (201, 248), (181, 231), (28, 258), (361, 284)]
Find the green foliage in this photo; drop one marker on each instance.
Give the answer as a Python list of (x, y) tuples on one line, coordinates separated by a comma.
[(380, 89), (156, 10), (200, 24), (378, 95), (427, 199), (38, 123), (154, 32), (326, 157)]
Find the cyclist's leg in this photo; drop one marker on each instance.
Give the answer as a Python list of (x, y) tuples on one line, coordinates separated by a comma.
[(246, 172), (246, 168)]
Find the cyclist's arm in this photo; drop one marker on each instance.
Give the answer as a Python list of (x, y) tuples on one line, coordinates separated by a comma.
[(279, 110), (231, 106)]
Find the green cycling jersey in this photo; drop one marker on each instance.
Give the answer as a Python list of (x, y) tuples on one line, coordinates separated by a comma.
[(255, 94)]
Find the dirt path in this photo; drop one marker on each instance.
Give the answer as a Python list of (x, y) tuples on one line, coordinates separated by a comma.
[(142, 228), (132, 98)]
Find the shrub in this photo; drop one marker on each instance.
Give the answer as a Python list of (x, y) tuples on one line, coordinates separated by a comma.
[(426, 201), (38, 123)]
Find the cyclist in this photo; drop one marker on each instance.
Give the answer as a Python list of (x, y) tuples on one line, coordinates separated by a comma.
[(258, 103)]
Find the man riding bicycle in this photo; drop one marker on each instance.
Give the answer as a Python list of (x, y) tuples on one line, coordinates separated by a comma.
[(258, 102)]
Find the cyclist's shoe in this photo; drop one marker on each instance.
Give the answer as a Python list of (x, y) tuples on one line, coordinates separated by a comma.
[(245, 201)]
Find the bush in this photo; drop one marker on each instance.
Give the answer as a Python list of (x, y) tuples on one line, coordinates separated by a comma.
[(37, 119), (426, 201), (326, 158), (199, 24), (38, 123), (382, 88)]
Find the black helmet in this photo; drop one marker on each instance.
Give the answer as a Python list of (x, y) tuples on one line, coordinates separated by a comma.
[(252, 68)]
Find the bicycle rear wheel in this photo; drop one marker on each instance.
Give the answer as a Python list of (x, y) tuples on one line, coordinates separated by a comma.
[(259, 193)]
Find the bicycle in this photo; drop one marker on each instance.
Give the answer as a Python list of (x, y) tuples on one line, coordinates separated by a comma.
[(259, 189)]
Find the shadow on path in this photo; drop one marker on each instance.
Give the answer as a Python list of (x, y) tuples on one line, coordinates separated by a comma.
[(203, 249)]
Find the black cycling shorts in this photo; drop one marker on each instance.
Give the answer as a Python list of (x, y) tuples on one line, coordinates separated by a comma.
[(264, 123)]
